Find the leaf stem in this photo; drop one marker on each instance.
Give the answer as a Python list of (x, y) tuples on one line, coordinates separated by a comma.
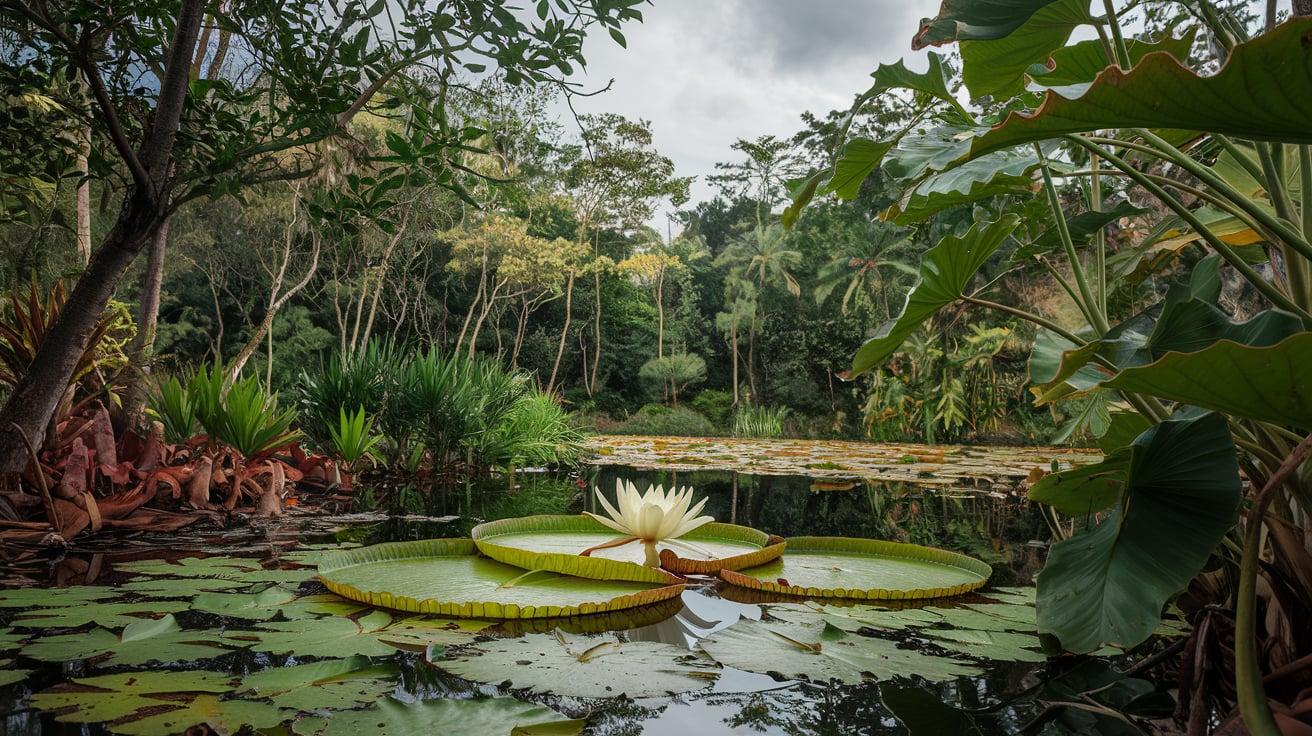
[(1027, 316), (1248, 670), (1096, 318), (1122, 52), (1268, 290)]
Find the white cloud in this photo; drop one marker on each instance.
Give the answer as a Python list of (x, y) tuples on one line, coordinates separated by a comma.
[(708, 73)]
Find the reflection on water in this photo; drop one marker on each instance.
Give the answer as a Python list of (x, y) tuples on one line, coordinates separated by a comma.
[(991, 527)]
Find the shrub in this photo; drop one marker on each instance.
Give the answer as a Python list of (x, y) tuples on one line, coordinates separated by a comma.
[(171, 404), (715, 405), (345, 383), (252, 422), (655, 419), (536, 431), (759, 421), (354, 438)]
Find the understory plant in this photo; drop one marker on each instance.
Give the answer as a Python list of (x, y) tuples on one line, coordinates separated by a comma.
[(171, 405), (354, 439), (759, 421), (253, 424), (1174, 182)]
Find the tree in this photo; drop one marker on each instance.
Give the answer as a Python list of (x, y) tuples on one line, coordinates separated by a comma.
[(301, 83), (649, 268), (763, 257), (674, 373), (615, 177)]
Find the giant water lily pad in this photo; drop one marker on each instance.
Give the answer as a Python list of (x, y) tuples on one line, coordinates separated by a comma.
[(109, 615), (225, 716), (375, 634), (10, 674), (448, 578), (491, 716), (820, 652), (553, 542), (51, 597), (584, 666), (841, 567)]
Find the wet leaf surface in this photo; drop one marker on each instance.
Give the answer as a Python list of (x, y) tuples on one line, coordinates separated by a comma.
[(593, 667), (492, 716)]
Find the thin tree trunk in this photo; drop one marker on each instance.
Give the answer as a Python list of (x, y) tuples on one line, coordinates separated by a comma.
[(379, 281), (143, 343), (596, 333), (83, 197), (660, 318), (733, 339), (29, 409), (268, 365), (488, 303), (564, 331), (519, 333), (751, 360)]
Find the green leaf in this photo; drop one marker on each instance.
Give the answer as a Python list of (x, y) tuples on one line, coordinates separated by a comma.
[(262, 605), (108, 615), (1180, 496), (1000, 646), (860, 157), (922, 713), (78, 595), (491, 716), (1003, 172), (162, 640), (823, 653), (945, 271), (590, 667), (996, 67), (1083, 227), (1085, 489), (1264, 92), (223, 716), (111, 697), (372, 635), (1266, 383), (1121, 431), (933, 81), (1080, 62), (334, 684), (965, 20)]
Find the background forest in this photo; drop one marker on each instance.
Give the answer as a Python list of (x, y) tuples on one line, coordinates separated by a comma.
[(551, 265)]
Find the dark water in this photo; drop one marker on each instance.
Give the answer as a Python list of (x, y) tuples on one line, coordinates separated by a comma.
[(994, 529)]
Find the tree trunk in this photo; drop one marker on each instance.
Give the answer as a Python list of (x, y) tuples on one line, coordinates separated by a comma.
[(143, 344), (751, 360), (84, 197), (32, 403), (733, 339), (660, 319), (1302, 7), (596, 333), (564, 331), (519, 333)]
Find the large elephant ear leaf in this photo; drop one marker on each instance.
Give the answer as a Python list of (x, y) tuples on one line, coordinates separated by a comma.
[(1264, 92), (1179, 495), (945, 271), (1080, 62), (1267, 383), (933, 81), (997, 67), (966, 20), (861, 156)]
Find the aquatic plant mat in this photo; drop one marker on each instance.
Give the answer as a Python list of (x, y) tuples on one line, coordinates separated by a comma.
[(931, 465), (843, 567), (553, 542), (237, 644), (448, 577)]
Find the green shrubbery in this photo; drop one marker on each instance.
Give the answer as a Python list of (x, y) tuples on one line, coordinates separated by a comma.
[(759, 421), (244, 417), (658, 419)]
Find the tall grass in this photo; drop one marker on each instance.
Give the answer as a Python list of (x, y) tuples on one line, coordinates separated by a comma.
[(759, 421)]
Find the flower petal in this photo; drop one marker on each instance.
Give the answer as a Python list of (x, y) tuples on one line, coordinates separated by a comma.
[(610, 523)]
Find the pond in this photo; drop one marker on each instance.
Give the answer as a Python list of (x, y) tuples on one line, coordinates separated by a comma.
[(258, 641)]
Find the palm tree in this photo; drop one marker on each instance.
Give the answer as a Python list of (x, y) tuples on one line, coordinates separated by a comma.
[(857, 266), (763, 257)]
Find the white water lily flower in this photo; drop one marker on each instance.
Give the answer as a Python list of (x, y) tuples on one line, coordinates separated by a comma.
[(651, 517)]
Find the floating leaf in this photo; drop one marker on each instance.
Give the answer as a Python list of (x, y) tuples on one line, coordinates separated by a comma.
[(109, 615), (1006, 646), (492, 716), (329, 685), (343, 637), (840, 567), (593, 667), (822, 653), (945, 271), (1180, 496), (852, 619), (162, 640), (447, 577), (77, 595), (9, 674), (224, 716), (111, 697), (264, 604), (163, 587)]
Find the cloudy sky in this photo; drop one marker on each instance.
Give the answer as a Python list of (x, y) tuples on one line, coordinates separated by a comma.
[(706, 72)]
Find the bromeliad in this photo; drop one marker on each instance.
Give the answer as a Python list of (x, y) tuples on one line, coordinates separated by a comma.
[(652, 517)]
